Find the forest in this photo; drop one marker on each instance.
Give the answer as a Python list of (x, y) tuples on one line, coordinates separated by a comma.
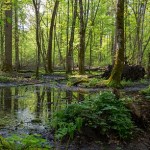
[(75, 74)]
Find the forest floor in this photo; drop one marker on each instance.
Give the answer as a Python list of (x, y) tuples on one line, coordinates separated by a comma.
[(89, 141)]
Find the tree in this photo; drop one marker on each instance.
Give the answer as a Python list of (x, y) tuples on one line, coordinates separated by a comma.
[(17, 61), (36, 4), (115, 78), (7, 65), (1, 34), (50, 44), (81, 53), (69, 57)]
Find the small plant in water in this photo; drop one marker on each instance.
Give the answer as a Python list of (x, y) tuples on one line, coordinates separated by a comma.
[(103, 112)]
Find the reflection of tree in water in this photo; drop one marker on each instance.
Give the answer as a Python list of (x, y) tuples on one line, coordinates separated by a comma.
[(40, 100), (69, 96), (27, 103), (49, 101), (1, 99), (7, 99), (80, 97), (16, 99)]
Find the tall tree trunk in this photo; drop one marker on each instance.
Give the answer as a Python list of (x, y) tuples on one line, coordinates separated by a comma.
[(17, 62), (43, 51), (37, 14), (81, 53), (49, 50), (1, 38), (115, 78), (69, 57), (7, 66), (148, 66)]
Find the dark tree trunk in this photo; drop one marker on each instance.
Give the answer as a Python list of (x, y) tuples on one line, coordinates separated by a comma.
[(37, 15), (1, 38), (17, 62), (69, 57), (7, 66), (81, 53), (49, 50), (148, 67)]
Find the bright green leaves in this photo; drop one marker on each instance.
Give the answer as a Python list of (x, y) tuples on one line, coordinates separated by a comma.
[(25, 142), (103, 112)]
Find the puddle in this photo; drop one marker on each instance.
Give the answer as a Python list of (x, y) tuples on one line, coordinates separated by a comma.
[(27, 108)]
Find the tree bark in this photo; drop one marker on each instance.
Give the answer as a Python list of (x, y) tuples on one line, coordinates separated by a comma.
[(69, 57), (17, 62), (7, 66), (49, 50), (148, 67), (81, 53), (115, 78), (37, 15), (1, 37)]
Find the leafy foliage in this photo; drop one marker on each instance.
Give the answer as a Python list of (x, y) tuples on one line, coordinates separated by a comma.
[(5, 79), (102, 112), (24, 142), (146, 91)]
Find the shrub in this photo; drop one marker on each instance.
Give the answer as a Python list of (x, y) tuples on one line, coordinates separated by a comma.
[(102, 112)]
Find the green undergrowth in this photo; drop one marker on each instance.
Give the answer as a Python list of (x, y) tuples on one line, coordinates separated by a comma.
[(24, 142), (5, 79), (103, 113), (85, 81), (146, 91), (133, 83)]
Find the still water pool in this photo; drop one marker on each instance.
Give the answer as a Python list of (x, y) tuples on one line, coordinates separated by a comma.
[(28, 108)]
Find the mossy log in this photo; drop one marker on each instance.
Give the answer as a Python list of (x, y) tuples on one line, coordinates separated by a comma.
[(78, 82)]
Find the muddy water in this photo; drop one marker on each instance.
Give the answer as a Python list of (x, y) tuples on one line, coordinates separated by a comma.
[(29, 108)]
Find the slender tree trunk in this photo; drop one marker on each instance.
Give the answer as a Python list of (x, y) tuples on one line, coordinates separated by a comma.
[(143, 11), (17, 62), (69, 57), (81, 53), (115, 78), (1, 38), (37, 15), (67, 29), (43, 51), (49, 50), (148, 66)]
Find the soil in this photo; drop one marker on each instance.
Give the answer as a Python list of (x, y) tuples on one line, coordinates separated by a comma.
[(140, 141)]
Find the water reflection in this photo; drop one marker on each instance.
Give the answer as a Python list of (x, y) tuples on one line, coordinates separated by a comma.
[(25, 104)]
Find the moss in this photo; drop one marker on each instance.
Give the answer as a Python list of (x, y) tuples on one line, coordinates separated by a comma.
[(5, 79), (36, 121), (114, 83), (146, 91), (5, 145)]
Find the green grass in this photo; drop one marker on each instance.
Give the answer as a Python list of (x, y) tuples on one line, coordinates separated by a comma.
[(5, 79), (146, 91)]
